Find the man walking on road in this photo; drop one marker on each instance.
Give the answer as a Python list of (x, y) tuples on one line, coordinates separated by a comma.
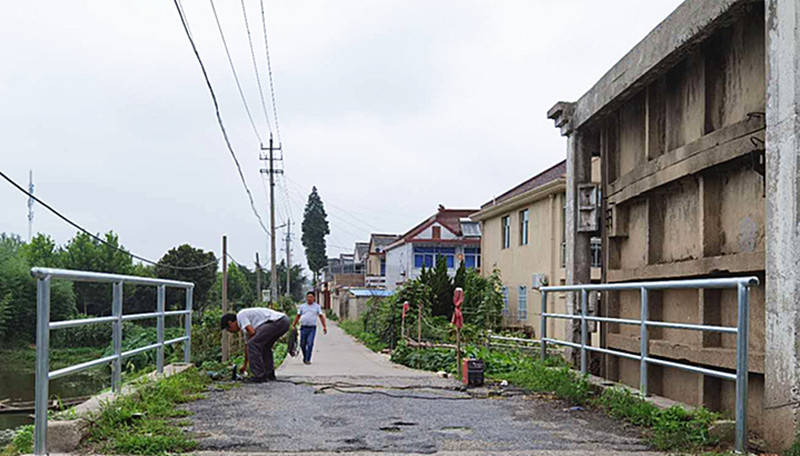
[(262, 327), (307, 315)]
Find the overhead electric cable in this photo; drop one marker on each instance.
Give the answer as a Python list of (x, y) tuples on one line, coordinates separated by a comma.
[(98, 238), (271, 84), (255, 65), (233, 69), (219, 118)]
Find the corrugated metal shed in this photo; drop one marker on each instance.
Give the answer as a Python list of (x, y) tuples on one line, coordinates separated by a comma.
[(367, 292)]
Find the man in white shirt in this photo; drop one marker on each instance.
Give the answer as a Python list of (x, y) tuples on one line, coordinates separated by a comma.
[(262, 327), (307, 315)]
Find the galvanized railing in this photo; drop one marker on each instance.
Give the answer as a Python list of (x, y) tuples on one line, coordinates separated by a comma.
[(44, 325), (742, 284)]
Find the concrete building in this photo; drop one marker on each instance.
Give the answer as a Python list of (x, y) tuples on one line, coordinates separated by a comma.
[(523, 238), (448, 233), (376, 261), (697, 127), (353, 301)]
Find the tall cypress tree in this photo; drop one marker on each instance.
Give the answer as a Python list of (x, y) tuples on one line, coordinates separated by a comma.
[(315, 228)]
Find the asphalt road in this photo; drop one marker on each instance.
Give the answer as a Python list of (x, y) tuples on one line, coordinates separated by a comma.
[(353, 401)]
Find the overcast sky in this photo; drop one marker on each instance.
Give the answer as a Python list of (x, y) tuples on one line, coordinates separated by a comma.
[(388, 107)]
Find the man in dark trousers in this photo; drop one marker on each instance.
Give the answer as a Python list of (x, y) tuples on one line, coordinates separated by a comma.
[(262, 327), (307, 315)]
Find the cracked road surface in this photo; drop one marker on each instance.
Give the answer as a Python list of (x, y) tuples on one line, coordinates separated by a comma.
[(354, 401)]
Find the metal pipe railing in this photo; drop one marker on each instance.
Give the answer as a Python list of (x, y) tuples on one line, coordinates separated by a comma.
[(44, 326), (742, 285)]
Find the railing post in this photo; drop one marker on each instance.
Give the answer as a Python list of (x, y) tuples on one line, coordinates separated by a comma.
[(584, 299), (116, 311), (543, 326), (644, 343), (742, 340), (187, 345), (161, 297), (42, 365)]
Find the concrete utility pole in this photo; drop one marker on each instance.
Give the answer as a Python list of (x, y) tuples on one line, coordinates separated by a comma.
[(30, 205), (226, 341), (288, 258), (273, 285), (258, 278)]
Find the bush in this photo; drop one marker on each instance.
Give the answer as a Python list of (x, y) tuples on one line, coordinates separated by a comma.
[(97, 335), (206, 336), (135, 336)]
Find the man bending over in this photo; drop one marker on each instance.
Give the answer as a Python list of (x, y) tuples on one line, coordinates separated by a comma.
[(262, 327)]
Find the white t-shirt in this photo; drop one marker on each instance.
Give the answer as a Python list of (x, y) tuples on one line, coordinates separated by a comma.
[(256, 316), (309, 313)]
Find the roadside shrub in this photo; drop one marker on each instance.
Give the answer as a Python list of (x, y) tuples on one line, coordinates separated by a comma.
[(21, 443), (206, 336), (135, 336)]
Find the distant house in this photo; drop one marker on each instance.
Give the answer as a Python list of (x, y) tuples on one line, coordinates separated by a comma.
[(376, 261), (523, 237), (353, 301), (449, 233), (360, 256)]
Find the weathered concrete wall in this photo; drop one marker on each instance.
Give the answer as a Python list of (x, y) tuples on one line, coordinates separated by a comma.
[(782, 401), (687, 201)]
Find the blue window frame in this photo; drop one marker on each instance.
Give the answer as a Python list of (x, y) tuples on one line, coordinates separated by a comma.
[(505, 300), (383, 266), (427, 256), (472, 257)]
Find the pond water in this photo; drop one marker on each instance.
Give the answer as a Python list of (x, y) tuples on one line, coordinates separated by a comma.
[(17, 385)]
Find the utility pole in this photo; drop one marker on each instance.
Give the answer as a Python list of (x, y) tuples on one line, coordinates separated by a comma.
[(30, 205), (288, 258), (273, 285), (226, 341), (258, 279)]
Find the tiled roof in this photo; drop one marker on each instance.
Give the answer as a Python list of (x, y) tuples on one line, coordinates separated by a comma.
[(555, 172), (449, 218)]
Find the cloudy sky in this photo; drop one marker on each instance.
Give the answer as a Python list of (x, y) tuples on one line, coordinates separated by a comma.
[(388, 107)]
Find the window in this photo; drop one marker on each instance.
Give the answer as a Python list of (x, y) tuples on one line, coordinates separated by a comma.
[(472, 257), (383, 266), (523, 227), (428, 256), (505, 300), (597, 253), (436, 232), (506, 224), (522, 303)]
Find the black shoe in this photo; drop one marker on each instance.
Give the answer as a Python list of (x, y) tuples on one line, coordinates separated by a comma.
[(271, 377), (255, 380)]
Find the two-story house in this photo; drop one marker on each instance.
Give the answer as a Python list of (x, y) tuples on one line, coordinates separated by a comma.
[(376, 259), (523, 238), (449, 233)]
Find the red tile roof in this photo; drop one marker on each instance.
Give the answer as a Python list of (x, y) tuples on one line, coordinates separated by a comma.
[(449, 218)]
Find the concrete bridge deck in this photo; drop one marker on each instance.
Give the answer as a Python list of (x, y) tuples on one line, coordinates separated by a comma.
[(353, 401)]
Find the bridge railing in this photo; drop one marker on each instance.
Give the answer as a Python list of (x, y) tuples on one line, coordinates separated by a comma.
[(742, 284), (44, 326)]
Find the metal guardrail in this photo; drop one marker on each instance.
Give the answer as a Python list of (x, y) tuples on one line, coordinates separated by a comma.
[(44, 326), (742, 284)]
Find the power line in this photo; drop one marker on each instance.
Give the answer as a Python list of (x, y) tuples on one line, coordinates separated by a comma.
[(219, 116), (98, 238), (271, 84), (233, 69), (255, 66)]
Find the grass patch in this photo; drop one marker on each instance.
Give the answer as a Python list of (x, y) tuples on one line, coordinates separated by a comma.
[(22, 443), (670, 429), (355, 328), (145, 422)]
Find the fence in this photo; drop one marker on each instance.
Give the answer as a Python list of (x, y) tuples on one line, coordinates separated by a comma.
[(44, 326), (742, 285)]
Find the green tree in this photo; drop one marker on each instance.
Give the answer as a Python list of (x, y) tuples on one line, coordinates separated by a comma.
[(442, 286), (315, 228), (203, 278), (85, 253), (460, 280), (240, 292), (297, 281), (42, 251), (18, 293)]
